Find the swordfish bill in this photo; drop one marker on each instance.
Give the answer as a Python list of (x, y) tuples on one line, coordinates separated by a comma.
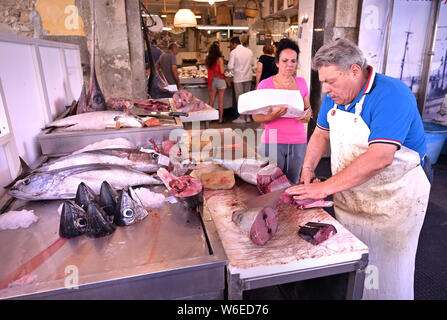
[(96, 100)]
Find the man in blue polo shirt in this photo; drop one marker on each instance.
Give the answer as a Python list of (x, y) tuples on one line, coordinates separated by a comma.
[(377, 145)]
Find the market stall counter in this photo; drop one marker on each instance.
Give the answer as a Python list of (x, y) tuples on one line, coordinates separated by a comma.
[(286, 257), (164, 256)]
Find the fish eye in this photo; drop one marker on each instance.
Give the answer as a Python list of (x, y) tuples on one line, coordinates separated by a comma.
[(128, 213), (27, 181), (81, 222)]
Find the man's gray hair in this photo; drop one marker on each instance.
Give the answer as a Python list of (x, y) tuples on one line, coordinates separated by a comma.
[(341, 53)]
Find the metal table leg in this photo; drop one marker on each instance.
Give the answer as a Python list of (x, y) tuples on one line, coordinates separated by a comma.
[(234, 286), (356, 280)]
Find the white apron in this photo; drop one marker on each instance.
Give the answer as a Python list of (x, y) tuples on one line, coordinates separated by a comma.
[(386, 212)]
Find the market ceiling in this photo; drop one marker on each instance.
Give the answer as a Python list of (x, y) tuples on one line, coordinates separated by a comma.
[(171, 6)]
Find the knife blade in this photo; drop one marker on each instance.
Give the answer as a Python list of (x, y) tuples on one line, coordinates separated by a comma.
[(266, 200), (141, 112)]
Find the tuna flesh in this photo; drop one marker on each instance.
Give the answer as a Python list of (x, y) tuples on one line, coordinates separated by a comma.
[(316, 232), (271, 178), (305, 204), (260, 224)]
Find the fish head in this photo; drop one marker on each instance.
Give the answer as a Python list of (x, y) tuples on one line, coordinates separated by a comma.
[(84, 195), (73, 220), (32, 186), (129, 210), (108, 198)]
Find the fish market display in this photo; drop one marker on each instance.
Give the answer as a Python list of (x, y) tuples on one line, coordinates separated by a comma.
[(246, 169), (271, 178), (63, 183), (98, 217), (98, 120), (17, 219), (181, 98), (73, 220), (117, 143), (260, 224), (129, 208), (316, 232), (305, 204), (188, 190), (134, 158)]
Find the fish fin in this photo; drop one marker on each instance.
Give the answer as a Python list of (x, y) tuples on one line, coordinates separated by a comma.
[(72, 108), (24, 171)]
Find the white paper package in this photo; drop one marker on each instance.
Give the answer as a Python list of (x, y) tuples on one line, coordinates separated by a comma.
[(260, 101)]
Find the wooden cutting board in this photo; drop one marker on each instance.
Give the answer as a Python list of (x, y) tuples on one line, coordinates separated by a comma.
[(286, 251)]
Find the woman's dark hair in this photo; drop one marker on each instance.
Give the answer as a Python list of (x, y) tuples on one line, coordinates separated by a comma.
[(286, 44), (213, 54)]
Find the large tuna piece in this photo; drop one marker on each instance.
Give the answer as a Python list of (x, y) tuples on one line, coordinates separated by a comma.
[(260, 224), (271, 178), (316, 232), (246, 169), (186, 189)]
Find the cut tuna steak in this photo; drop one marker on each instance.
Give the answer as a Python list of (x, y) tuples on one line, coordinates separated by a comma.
[(260, 224), (271, 178), (316, 232)]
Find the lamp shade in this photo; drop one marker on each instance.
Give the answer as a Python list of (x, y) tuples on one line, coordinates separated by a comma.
[(185, 18)]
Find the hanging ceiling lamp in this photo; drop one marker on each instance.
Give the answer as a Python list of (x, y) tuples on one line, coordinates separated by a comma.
[(211, 2), (184, 18)]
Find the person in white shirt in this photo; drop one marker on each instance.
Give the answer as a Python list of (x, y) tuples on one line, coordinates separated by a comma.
[(241, 64)]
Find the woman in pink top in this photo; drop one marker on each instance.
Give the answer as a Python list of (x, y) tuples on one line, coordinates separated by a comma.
[(291, 138)]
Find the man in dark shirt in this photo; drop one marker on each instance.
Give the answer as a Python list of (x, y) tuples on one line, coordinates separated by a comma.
[(167, 65)]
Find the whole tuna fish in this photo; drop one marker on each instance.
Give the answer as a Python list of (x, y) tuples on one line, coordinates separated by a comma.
[(98, 120), (63, 183), (134, 158), (246, 169), (129, 208)]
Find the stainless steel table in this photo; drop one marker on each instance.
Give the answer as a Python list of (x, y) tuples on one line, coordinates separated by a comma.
[(164, 256)]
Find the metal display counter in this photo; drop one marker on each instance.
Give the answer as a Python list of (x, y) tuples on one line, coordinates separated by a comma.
[(59, 142), (164, 256)]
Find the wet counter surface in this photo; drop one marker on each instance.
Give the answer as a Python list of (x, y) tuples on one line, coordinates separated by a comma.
[(163, 256)]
